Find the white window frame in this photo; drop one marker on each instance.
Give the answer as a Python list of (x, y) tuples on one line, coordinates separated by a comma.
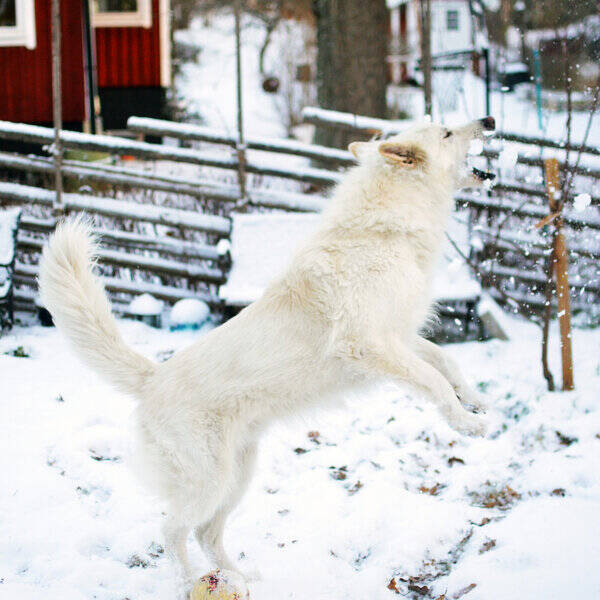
[(23, 33), (142, 17)]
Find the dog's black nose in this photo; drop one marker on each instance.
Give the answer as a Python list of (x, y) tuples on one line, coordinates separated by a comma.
[(489, 123)]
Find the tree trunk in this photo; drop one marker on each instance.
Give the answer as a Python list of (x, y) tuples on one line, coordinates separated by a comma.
[(351, 61)]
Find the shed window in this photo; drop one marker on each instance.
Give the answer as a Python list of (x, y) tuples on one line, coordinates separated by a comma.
[(122, 13), (17, 23), (452, 20)]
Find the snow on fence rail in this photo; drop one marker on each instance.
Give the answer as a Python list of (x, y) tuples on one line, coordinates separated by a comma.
[(174, 217), (182, 131)]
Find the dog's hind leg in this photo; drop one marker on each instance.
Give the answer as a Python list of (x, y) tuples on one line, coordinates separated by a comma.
[(210, 534), (440, 360), (175, 536)]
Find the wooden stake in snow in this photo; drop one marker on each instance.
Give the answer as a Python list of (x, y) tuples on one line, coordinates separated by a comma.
[(57, 152), (241, 144), (561, 271), (426, 61)]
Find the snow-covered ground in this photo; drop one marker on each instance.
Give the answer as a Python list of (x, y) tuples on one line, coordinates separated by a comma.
[(207, 86), (345, 504)]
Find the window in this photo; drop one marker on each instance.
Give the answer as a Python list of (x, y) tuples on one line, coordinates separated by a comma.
[(452, 20), (17, 23), (122, 13)]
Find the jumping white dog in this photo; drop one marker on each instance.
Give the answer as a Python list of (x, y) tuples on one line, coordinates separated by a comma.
[(349, 308)]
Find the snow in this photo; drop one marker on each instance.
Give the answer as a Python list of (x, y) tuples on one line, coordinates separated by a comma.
[(76, 524), (508, 158), (189, 312), (581, 202), (516, 67), (8, 225), (256, 264), (145, 304), (475, 147), (209, 85), (142, 212)]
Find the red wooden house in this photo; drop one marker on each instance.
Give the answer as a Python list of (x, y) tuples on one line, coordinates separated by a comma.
[(117, 51)]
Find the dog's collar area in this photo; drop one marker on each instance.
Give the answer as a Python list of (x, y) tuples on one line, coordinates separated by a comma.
[(483, 175)]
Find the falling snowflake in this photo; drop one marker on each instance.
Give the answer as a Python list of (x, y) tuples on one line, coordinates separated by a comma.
[(581, 202)]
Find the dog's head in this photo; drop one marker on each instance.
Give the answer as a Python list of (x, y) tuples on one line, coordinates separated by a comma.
[(438, 151)]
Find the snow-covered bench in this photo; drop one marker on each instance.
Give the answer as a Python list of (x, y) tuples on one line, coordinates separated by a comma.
[(9, 223), (262, 244)]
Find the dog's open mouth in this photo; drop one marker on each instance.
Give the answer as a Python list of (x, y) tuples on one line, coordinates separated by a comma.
[(483, 176)]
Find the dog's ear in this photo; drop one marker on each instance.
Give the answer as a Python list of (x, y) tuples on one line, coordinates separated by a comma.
[(357, 149), (405, 155)]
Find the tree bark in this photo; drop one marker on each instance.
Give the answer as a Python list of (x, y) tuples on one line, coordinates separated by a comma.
[(351, 61)]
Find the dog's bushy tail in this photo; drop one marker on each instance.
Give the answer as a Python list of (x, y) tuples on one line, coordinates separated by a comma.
[(80, 308)]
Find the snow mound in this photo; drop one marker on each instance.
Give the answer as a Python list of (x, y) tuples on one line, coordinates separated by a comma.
[(146, 305), (189, 312)]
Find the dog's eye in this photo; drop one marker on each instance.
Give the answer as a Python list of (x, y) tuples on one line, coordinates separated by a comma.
[(448, 134)]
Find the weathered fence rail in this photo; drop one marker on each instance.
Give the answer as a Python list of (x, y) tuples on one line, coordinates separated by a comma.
[(197, 188), (123, 146), (161, 215), (181, 131)]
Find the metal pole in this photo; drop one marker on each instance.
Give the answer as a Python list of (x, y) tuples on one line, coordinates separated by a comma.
[(488, 81), (57, 152), (538, 87), (240, 145), (93, 100)]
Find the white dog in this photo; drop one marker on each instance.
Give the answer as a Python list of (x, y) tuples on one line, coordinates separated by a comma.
[(348, 308)]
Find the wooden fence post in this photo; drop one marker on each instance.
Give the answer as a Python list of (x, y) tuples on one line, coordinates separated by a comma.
[(58, 207), (241, 144), (561, 271)]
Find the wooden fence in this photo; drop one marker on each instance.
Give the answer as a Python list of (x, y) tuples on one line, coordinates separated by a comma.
[(508, 252), (172, 249)]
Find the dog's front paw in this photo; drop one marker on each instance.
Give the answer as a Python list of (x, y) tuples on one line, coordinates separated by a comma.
[(469, 424), (473, 401)]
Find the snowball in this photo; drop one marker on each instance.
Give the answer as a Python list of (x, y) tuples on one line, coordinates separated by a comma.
[(223, 247), (146, 304), (581, 202), (455, 265), (220, 585), (475, 147), (477, 243), (189, 311), (508, 158)]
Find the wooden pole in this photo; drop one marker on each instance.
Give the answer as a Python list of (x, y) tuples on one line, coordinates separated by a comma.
[(561, 271), (57, 207), (426, 63), (241, 145)]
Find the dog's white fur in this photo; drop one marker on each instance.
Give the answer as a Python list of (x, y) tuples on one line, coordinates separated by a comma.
[(349, 308)]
